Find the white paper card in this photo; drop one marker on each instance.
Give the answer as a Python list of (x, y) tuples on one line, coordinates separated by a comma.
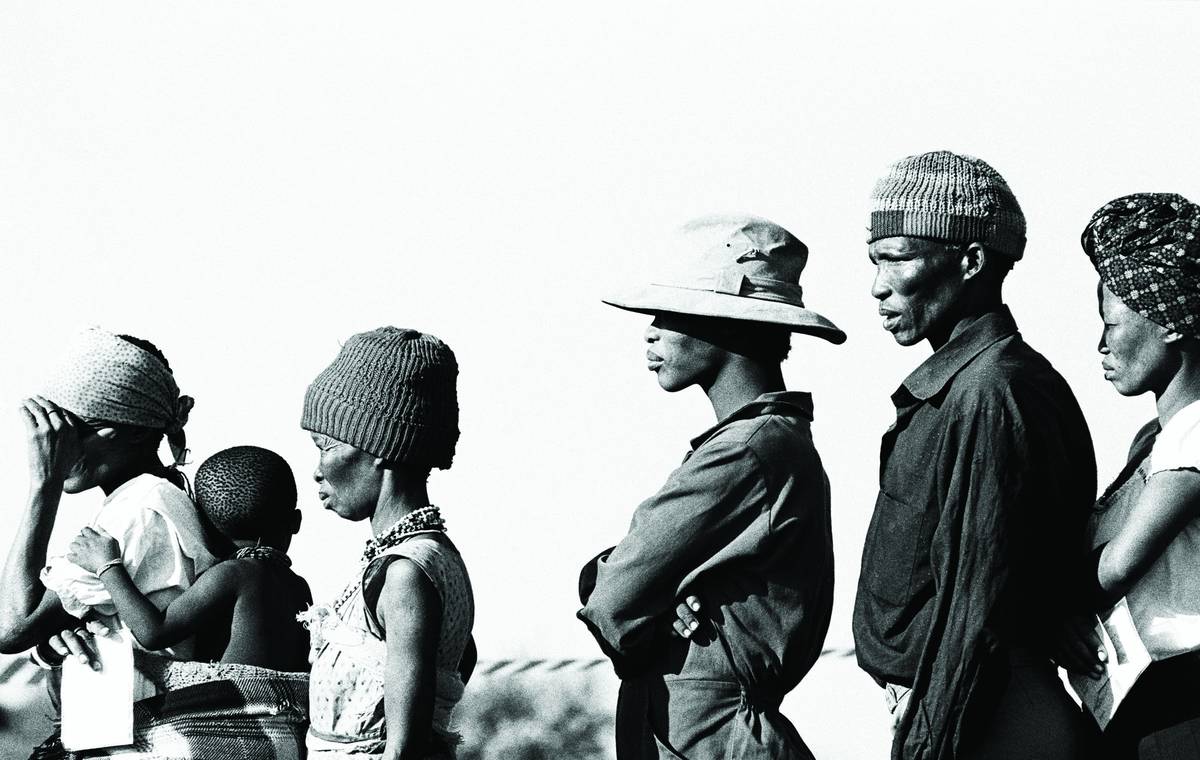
[(97, 705), (1127, 659)]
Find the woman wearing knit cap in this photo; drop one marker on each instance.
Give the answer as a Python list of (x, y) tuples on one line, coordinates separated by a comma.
[(1145, 531), (99, 423), (391, 654)]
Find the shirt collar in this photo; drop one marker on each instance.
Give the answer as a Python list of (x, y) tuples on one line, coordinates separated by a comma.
[(794, 403), (936, 372)]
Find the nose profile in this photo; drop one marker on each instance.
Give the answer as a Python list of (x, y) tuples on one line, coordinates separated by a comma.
[(651, 333), (879, 288), (317, 476)]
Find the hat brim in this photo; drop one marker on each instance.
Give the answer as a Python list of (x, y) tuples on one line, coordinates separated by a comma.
[(653, 299)]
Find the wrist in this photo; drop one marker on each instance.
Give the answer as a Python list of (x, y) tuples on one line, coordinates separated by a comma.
[(109, 565)]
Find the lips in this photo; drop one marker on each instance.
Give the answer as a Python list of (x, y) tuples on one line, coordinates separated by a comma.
[(653, 360), (890, 318)]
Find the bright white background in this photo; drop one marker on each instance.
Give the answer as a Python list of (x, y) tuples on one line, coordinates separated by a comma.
[(246, 184)]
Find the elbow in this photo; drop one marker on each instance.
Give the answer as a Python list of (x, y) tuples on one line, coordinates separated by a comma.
[(1117, 572), (14, 639), (152, 642)]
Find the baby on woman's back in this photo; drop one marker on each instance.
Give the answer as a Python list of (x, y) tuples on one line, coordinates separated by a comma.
[(242, 610)]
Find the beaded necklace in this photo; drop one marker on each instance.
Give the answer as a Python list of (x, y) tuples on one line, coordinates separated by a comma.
[(420, 520), (265, 553)]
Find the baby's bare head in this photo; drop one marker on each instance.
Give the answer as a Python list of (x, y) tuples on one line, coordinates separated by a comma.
[(248, 493)]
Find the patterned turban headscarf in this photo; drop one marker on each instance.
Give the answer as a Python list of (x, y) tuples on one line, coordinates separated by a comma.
[(1146, 247), (104, 377)]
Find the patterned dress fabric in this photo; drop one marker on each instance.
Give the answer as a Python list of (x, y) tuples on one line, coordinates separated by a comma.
[(349, 654)]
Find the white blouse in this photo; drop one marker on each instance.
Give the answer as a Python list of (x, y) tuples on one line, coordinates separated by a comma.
[(1166, 602), (162, 548)]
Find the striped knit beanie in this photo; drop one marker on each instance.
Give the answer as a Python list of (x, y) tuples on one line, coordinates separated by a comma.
[(390, 392), (949, 197)]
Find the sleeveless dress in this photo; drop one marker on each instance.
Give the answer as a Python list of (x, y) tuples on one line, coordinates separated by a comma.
[(1160, 718), (349, 655)]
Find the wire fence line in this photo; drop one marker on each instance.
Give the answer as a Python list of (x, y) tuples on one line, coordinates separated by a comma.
[(18, 670), (539, 666)]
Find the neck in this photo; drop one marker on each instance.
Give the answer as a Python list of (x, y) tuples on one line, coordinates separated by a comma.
[(401, 492), (739, 381), (142, 463), (1183, 389), (958, 320)]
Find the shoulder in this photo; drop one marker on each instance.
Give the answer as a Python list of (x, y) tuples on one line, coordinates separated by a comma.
[(1011, 379), (765, 438), (1177, 446)]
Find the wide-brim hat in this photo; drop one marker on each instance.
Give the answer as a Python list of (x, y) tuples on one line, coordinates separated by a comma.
[(744, 268)]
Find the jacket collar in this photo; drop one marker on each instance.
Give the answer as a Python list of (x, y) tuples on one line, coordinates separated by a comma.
[(788, 403), (936, 372)]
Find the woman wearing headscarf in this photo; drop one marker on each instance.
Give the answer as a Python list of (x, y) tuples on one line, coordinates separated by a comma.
[(1145, 531), (391, 654), (98, 424)]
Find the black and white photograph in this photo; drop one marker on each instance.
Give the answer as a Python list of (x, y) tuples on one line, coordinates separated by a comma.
[(624, 381)]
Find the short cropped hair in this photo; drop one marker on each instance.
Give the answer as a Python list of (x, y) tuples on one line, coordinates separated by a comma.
[(246, 491)]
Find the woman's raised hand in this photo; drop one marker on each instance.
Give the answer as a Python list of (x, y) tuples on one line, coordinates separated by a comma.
[(93, 549), (52, 439)]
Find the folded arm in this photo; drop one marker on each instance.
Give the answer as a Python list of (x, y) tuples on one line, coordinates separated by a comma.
[(712, 498)]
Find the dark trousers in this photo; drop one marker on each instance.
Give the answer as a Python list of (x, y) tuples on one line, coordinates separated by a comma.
[(1034, 719)]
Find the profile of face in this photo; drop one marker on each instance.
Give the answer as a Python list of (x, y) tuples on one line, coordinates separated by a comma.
[(349, 479), (106, 451), (917, 282), (678, 355), (1138, 355)]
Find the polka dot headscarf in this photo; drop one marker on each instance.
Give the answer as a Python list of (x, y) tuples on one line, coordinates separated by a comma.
[(103, 377), (1146, 248)]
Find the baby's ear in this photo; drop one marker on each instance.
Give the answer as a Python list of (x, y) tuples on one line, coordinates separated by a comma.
[(297, 518)]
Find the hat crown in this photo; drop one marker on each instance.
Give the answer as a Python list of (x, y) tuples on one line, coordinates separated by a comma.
[(947, 196), (745, 245)]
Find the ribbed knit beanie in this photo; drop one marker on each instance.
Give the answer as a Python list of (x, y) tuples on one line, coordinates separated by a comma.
[(948, 197), (390, 392)]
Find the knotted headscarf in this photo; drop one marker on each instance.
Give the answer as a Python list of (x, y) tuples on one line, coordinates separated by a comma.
[(1146, 247), (104, 377)]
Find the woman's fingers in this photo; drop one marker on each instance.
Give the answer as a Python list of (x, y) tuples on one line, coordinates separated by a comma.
[(680, 630), (684, 614), (77, 647), (37, 413)]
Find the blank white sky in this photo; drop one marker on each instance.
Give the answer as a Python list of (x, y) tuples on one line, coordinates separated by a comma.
[(247, 184)]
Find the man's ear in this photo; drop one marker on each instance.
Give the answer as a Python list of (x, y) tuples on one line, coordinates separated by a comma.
[(1170, 336), (974, 259), (107, 433), (297, 519)]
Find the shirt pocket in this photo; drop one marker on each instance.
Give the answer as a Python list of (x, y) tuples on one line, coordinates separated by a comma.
[(896, 560)]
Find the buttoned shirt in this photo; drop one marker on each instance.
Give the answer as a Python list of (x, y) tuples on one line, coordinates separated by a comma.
[(744, 525), (987, 478)]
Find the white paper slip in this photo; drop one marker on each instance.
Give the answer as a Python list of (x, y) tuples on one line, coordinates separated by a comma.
[(97, 705), (1127, 659)]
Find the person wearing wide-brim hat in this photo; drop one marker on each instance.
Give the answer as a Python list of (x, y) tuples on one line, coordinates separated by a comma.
[(740, 532)]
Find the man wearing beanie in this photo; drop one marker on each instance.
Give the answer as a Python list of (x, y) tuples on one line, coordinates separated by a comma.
[(986, 480)]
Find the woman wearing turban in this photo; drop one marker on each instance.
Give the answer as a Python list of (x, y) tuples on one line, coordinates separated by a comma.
[(1146, 528), (390, 656), (99, 423)]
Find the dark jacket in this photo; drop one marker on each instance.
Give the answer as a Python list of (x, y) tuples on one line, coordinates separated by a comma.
[(976, 543)]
